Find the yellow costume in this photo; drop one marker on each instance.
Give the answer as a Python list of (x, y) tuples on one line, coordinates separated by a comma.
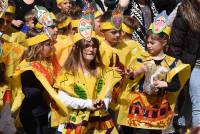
[(140, 110), (11, 55), (88, 87), (45, 72), (119, 56), (63, 47)]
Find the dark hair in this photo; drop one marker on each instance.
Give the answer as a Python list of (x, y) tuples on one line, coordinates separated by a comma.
[(76, 11), (161, 37), (106, 16), (33, 53), (2, 72), (131, 22), (1, 21), (73, 61)]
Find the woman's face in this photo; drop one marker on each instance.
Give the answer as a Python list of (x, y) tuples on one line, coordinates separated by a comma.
[(154, 47), (89, 51), (47, 50)]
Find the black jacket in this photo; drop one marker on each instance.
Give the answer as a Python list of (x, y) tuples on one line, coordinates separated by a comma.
[(184, 43), (167, 5)]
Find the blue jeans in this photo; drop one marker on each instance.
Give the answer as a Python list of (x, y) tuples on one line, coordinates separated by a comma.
[(194, 90)]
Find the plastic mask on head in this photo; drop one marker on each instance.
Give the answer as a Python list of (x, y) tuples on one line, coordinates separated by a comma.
[(43, 16)]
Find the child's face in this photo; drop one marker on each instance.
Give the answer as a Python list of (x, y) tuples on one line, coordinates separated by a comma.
[(29, 21), (112, 36), (154, 47), (89, 52), (65, 6), (7, 22)]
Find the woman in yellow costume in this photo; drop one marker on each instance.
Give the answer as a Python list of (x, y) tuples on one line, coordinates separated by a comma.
[(148, 106), (85, 85), (38, 70)]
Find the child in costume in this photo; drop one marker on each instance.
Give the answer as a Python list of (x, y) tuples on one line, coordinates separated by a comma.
[(63, 17), (148, 106), (35, 76), (85, 85), (6, 17), (117, 51), (112, 42), (65, 44), (10, 39)]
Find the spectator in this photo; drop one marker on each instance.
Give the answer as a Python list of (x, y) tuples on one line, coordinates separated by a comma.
[(185, 45)]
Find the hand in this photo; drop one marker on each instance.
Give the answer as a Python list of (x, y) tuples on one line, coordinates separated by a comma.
[(99, 104), (141, 70), (144, 68), (130, 74), (119, 70), (17, 23), (160, 84)]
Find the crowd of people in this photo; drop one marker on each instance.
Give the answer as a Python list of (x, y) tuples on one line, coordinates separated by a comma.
[(102, 67)]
